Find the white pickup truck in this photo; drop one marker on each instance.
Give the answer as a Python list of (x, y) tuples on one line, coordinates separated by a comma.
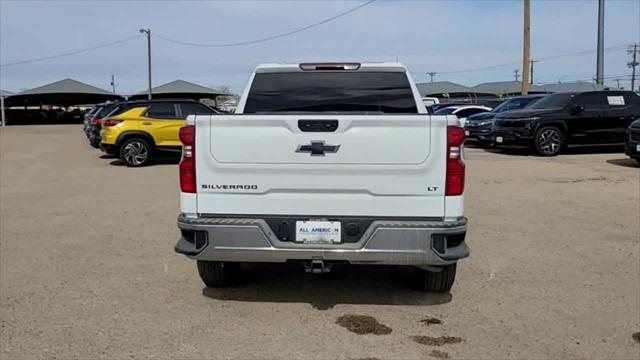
[(324, 163)]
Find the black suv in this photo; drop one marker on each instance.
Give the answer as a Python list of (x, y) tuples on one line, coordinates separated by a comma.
[(478, 126), (632, 147), (558, 120)]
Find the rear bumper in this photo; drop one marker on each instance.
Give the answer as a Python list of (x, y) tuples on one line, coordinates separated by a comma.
[(384, 242), (480, 133), (632, 146), (632, 149)]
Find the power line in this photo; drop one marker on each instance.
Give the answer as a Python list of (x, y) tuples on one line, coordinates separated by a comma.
[(191, 44), (489, 67), (569, 79), (69, 53), (278, 36)]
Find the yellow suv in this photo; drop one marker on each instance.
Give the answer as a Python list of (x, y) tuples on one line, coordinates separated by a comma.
[(144, 129)]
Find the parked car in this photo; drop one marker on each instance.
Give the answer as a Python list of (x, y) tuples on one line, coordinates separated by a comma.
[(428, 101), (632, 146), (302, 171), (95, 125), (463, 111), (478, 126), (89, 116), (436, 107), (147, 128), (562, 119)]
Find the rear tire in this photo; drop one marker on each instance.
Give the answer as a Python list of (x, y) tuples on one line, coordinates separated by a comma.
[(549, 141), (218, 274), (439, 282), (135, 152), (94, 142)]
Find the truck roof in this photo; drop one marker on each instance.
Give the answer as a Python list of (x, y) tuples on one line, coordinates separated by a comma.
[(331, 66)]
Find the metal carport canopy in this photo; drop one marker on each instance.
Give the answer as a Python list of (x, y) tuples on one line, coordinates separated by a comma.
[(64, 93), (179, 89), (501, 88)]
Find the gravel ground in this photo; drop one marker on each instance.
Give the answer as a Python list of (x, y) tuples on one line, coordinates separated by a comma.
[(87, 269)]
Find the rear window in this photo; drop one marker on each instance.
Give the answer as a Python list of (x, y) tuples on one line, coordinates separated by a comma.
[(162, 111), (106, 110), (332, 92)]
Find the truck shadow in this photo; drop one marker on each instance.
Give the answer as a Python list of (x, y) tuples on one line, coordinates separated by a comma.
[(626, 162), (577, 150), (362, 285), (154, 162)]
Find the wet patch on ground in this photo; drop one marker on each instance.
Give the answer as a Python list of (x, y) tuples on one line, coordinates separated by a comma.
[(439, 354), (437, 341), (363, 324), (636, 337), (430, 321)]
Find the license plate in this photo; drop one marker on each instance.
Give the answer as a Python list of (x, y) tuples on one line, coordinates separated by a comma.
[(638, 147), (466, 133), (498, 139), (318, 231)]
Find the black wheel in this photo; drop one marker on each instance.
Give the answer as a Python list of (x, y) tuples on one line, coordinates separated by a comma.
[(439, 282), (217, 274), (94, 142), (135, 152), (549, 141)]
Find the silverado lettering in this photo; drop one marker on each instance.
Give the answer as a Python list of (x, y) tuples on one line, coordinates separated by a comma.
[(230, 187)]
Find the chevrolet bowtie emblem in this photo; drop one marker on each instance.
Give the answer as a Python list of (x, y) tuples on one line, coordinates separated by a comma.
[(317, 148)]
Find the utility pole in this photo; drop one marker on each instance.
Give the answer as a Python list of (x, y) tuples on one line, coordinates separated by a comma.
[(4, 122), (526, 57), (532, 62), (600, 59), (633, 62), (618, 83), (431, 75), (148, 32), (113, 84), (516, 72)]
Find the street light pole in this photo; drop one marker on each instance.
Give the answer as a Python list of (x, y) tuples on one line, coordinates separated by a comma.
[(148, 32)]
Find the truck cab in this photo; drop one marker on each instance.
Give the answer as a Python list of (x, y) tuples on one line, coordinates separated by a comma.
[(324, 163)]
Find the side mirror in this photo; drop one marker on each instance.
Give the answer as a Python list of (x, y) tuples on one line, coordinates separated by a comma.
[(577, 109)]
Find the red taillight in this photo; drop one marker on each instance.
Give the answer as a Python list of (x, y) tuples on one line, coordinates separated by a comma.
[(95, 121), (111, 122), (188, 161), (455, 165)]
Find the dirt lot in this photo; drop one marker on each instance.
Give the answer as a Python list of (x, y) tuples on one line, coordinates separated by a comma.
[(87, 269)]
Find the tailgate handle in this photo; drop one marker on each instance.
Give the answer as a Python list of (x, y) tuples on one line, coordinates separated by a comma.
[(318, 125)]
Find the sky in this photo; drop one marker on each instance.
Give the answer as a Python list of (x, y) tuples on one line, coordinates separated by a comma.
[(446, 37)]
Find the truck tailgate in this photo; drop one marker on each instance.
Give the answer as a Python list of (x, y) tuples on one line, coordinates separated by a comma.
[(369, 165)]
